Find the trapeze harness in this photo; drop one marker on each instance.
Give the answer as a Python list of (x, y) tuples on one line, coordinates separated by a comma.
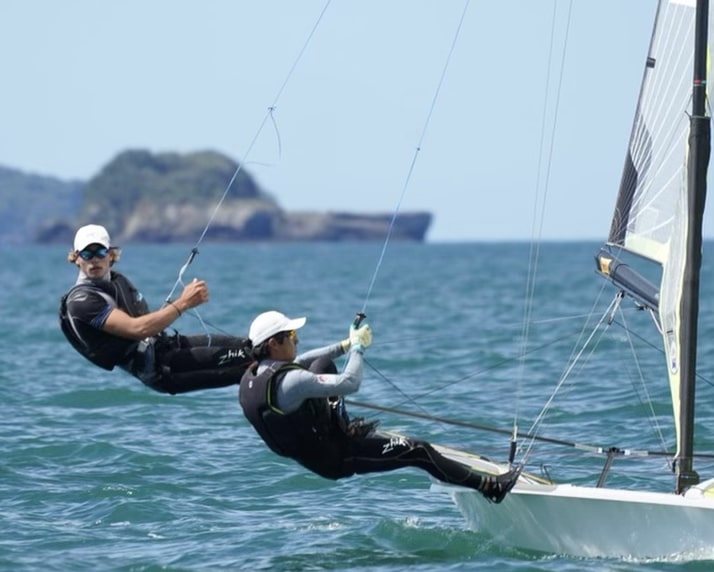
[(99, 347), (313, 435), (166, 363)]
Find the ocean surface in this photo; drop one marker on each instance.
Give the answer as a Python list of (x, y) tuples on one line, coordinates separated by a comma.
[(97, 472)]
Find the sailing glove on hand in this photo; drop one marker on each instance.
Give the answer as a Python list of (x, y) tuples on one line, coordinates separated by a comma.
[(360, 338)]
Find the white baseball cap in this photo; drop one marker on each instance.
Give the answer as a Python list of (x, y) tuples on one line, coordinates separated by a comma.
[(91, 234), (267, 324)]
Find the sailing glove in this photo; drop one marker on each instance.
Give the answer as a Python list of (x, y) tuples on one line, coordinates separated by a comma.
[(360, 338)]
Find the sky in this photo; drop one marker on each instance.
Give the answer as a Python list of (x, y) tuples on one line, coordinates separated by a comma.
[(367, 115)]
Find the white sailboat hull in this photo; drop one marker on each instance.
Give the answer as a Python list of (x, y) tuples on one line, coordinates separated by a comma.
[(584, 521), (594, 522)]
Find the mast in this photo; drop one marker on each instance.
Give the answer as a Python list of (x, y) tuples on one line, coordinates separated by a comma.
[(699, 152)]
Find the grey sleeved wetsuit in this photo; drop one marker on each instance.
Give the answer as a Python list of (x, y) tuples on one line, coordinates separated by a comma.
[(300, 384)]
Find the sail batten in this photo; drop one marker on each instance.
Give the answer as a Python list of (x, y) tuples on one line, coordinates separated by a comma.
[(654, 172)]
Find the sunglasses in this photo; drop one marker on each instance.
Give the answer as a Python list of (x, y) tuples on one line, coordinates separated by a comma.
[(88, 254), (280, 336)]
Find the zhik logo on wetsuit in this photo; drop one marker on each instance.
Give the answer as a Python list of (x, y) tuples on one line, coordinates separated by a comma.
[(396, 441), (230, 355)]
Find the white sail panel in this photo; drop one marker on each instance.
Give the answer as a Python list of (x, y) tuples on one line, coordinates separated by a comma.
[(670, 303), (654, 169)]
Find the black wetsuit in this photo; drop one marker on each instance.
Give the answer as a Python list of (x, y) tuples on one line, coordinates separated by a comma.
[(166, 363), (320, 435)]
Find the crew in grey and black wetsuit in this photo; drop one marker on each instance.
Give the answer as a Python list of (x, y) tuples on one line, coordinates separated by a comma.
[(295, 404)]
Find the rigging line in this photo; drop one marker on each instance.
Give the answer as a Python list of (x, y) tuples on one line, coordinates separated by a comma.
[(413, 399), (648, 399), (268, 115), (575, 356), (657, 348), (535, 437), (581, 358), (501, 326), (541, 416), (594, 346), (210, 324), (414, 158), (615, 304), (534, 252), (407, 398), (574, 359), (539, 220), (422, 339)]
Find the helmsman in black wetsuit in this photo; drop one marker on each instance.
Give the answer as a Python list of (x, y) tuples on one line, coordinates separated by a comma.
[(295, 404), (107, 320)]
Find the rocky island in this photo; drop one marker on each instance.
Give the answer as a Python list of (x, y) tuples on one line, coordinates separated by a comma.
[(170, 197)]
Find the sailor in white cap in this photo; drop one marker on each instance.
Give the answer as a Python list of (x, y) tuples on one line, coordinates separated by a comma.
[(295, 403), (107, 320)]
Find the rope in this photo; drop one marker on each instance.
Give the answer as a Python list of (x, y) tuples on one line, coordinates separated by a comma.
[(538, 219), (473, 375), (477, 426), (407, 180), (541, 416), (268, 115), (414, 158), (647, 402)]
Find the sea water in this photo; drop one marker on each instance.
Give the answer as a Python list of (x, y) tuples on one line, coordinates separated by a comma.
[(97, 472)]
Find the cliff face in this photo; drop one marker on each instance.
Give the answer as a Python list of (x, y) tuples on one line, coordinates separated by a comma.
[(258, 220), (350, 226), (246, 219), (169, 198)]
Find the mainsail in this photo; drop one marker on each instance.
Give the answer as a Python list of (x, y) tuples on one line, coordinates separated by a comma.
[(654, 176), (655, 216)]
